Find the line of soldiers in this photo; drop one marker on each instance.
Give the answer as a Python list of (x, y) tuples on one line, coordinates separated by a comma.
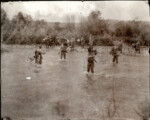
[(91, 53), (53, 40)]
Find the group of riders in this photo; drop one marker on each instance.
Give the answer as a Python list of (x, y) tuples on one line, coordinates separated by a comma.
[(91, 52)]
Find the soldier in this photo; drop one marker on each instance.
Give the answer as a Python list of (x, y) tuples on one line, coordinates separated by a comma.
[(38, 55), (120, 47), (72, 43), (63, 51), (90, 49), (47, 41), (137, 48), (115, 55), (90, 61), (95, 52), (133, 45), (50, 41)]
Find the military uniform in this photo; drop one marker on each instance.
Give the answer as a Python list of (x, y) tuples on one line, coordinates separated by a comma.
[(63, 51), (47, 41), (90, 50), (137, 48), (114, 53), (90, 65), (36, 56), (120, 48), (39, 56), (72, 43)]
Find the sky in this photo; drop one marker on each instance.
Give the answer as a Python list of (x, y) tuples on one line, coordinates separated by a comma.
[(56, 11)]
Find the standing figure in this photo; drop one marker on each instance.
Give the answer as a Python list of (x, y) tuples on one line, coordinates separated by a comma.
[(90, 63), (137, 47), (47, 41), (120, 47), (90, 49), (133, 45), (115, 55), (72, 43), (38, 55), (63, 51), (94, 51), (50, 41)]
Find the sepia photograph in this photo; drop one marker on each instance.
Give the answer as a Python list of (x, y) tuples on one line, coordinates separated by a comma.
[(75, 60)]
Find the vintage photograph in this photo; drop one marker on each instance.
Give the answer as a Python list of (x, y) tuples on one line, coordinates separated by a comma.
[(75, 60)]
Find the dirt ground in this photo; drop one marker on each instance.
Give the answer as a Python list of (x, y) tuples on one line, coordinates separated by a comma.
[(62, 89)]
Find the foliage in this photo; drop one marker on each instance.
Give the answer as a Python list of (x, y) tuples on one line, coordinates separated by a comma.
[(22, 29)]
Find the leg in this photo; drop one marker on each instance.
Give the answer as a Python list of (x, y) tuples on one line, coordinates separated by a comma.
[(117, 59), (113, 58), (92, 67), (40, 59), (61, 55), (64, 55), (40, 62), (88, 67)]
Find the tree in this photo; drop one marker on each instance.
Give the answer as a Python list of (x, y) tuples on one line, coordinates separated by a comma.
[(4, 18), (96, 25), (4, 25)]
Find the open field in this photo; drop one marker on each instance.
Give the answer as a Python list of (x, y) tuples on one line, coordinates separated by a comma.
[(61, 89)]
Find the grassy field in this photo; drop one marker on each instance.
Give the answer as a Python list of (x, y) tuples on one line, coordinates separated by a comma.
[(61, 89)]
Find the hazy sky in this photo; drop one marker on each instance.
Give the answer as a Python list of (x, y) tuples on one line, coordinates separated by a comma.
[(57, 10)]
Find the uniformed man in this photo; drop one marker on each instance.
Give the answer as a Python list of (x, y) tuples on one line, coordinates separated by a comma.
[(137, 48), (120, 47), (90, 63), (72, 43), (115, 55), (90, 49), (47, 41), (38, 55), (63, 51)]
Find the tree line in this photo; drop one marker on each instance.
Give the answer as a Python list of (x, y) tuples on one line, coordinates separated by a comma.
[(22, 29)]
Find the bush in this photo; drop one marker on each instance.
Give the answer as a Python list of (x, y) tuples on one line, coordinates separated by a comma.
[(130, 40), (22, 29), (106, 42)]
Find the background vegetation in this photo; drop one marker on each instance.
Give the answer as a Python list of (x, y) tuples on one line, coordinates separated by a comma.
[(22, 29)]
